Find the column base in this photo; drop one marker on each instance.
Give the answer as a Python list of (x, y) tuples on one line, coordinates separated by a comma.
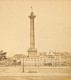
[(32, 52)]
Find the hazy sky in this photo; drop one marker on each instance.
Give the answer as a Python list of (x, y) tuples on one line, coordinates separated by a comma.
[(52, 25)]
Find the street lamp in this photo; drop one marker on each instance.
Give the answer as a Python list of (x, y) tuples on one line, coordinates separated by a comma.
[(23, 64), (35, 62), (38, 62)]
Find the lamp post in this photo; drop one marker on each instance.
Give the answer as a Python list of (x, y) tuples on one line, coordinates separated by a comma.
[(35, 62), (38, 62), (23, 64)]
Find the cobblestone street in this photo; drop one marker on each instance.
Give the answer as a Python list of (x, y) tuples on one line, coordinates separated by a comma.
[(36, 78)]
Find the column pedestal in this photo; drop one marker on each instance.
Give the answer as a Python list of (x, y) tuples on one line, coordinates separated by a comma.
[(32, 52)]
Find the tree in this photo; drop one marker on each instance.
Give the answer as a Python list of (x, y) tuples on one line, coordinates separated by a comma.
[(3, 55)]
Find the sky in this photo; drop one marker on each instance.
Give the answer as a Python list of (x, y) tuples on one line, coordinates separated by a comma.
[(52, 25)]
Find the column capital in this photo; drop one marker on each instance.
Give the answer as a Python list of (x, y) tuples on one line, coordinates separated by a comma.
[(32, 16)]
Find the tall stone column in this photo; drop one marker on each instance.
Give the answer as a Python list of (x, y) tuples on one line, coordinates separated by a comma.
[(32, 51)]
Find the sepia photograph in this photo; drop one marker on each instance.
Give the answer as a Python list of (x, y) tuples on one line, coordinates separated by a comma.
[(35, 39)]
